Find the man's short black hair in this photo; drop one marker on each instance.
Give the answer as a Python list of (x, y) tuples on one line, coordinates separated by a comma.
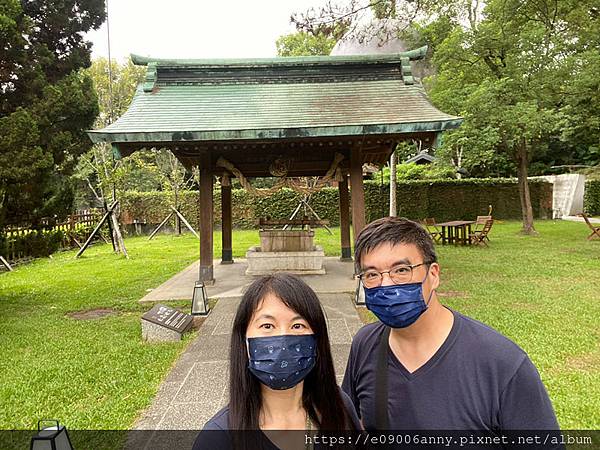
[(393, 230)]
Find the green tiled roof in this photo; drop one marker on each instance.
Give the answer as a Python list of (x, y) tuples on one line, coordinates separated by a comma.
[(183, 100)]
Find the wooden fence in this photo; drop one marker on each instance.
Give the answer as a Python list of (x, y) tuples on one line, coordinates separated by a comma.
[(18, 242)]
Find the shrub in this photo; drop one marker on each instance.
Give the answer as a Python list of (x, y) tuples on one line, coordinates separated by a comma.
[(443, 199), (591, 200)]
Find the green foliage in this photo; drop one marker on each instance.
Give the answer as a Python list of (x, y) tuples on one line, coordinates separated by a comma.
[(412, 171), (144, 170), (125, 78), (505, 70), (140, 172), (521, 73), (39, 243), (591, 201), (454, 199), (580, 128), (153, 207), (443, 199), (36, 243), (46, 103), (304, 44), (406, 150)]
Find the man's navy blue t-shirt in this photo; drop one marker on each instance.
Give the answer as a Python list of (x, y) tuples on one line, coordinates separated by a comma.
[(477, 380)]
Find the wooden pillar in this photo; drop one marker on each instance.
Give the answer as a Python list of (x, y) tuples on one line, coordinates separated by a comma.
[(357, 191), (206, 219), (227, 252), (345, 219)]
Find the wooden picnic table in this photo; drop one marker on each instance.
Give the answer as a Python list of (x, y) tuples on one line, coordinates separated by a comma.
[(456, 231)]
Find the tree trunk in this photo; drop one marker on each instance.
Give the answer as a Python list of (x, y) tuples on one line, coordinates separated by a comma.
[(117, 232), (526, 208), (393, 208), (110, 229), (2, 211), (177, 220)]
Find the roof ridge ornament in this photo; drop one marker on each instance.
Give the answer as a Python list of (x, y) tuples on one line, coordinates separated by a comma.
[(407, 71), (151, 76)]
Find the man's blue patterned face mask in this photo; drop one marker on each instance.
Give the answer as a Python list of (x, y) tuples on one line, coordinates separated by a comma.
[(281, 362), (397, 305)]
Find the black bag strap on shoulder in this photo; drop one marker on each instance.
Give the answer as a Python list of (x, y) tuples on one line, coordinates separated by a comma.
[(381, 382)]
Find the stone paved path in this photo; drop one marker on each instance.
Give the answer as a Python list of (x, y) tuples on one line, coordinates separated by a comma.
[(231, 280), (196, 387), (580, 219)]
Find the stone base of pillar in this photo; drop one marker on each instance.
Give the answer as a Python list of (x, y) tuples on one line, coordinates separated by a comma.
[(227, 257), (206, 275), (346, 254)]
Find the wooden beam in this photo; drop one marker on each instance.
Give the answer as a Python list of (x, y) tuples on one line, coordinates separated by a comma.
[(357, 191), (104, 217), (6, 264), (345, 219), (206, 220), (226, 223), (185, 222), (160, 226)]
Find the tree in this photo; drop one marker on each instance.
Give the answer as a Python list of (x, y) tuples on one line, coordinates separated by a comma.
[(580, 109), (144, 170), (353, 17), (523, 74), (510, 70), (412, 171), (97, 168), (46, 103), (304, 44)]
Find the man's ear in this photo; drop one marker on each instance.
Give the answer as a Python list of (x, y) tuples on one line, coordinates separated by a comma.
[(434, 275)]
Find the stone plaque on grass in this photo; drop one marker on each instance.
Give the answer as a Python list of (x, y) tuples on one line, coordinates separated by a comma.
[(163, 323)]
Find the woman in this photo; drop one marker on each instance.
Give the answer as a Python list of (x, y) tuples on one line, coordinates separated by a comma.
[(281, 370)]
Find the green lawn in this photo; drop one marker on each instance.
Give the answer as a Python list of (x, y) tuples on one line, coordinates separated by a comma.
[(543, 292), (92, 374)]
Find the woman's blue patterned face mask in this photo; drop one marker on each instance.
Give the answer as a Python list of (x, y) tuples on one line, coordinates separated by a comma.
[(281, 362)]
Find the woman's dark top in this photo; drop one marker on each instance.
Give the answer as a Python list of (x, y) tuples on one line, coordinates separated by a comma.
[(215, 433)]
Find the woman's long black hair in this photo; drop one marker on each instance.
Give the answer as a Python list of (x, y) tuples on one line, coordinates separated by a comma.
[(321, 396)]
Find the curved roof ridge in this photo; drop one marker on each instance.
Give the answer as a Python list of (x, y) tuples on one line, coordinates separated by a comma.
[(412, 55)]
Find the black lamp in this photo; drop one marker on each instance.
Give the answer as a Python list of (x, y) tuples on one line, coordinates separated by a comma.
[(54, 437), (199, 300)]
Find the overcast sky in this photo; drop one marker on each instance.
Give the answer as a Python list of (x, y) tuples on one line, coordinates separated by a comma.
[(196, 28)]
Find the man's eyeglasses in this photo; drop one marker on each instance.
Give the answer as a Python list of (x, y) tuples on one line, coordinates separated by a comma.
[(400, 274)]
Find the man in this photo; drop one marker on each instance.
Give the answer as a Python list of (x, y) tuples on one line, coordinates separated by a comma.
[(436, 369)]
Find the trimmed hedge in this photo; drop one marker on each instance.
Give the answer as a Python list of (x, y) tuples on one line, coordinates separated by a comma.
[(39, 243), (462, 199), (591, 199), (442, 199)]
